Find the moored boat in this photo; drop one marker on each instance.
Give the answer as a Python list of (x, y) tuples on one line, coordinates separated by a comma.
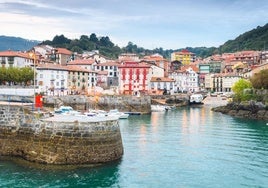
[(196, 99), (120, 115)]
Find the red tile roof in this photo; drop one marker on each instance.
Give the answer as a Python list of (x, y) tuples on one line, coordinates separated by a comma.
[(133, 64), (109, 63), (77, 68), (63, 51), (10, 53), (194, 68), (74, 68), (81, 62), (50, 66)]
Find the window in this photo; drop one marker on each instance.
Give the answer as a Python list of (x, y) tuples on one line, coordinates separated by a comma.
[(158, 85), (41, 75)]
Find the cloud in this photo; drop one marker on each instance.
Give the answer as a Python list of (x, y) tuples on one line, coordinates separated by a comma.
[(169, 24)]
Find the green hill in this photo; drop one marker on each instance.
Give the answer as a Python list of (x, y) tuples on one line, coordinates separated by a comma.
[(16, 43), (256, 39)]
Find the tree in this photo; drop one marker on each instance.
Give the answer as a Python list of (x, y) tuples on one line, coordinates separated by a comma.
[(60, 40), (260, 80), (239, 89), (28, 74), (105, 41), (93, 38)]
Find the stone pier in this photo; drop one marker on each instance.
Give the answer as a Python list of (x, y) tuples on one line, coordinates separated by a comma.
[(58, 139)]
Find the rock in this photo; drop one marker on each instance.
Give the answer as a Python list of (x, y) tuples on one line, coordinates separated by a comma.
[(248, 109)]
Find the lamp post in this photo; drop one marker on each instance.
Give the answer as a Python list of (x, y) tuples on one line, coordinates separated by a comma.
[(32, 55)]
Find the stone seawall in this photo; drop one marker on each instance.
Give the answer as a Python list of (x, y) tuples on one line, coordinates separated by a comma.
[(83, 103), (58, 141)]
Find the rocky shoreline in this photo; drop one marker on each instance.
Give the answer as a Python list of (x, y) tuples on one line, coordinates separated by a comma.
[(247, 110)]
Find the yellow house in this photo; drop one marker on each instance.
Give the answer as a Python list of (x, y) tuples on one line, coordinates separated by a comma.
[(184, 56)]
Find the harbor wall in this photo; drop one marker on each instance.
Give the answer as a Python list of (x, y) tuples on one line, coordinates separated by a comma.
[(25, 135), (106, 102)]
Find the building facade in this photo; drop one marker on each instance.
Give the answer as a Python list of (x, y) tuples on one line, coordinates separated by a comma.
[(15, 59), (184, 56), (162, 85), (52, 79), (134, 78)]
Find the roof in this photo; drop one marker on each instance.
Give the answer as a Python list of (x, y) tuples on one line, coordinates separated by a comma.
[(154, 57), (77, 68), (162, 79), (184, 52), (226, 75), (109, 63), (82, 62), (133, 64), (10, 53), (50, 66), (194, 68), (63, 51)]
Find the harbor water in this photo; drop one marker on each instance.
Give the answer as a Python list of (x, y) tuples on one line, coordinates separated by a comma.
[(186, 147)]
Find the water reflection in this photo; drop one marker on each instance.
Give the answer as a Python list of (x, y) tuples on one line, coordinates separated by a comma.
[(188, 147)]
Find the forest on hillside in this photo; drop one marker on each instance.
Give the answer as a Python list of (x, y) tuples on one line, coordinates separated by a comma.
[(255, 39)]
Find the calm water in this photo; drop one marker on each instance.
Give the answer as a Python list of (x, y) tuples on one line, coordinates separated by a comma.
[(189, 147)]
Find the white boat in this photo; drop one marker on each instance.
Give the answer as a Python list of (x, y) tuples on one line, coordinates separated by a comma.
[(196, 99), (158, 108), (98, 113), (120, 115), (66, 110)]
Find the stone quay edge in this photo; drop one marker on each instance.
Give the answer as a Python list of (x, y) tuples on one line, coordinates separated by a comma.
[(58, 140)]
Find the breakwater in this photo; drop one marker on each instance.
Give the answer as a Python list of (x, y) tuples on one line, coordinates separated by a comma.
[(58, 140), (247, 110)]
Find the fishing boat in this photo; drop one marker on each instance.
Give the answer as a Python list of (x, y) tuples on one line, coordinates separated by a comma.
[(158, 108), (66, 110), (196, 99), (120, 115)]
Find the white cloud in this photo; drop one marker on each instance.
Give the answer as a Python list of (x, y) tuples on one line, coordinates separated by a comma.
[(149, 24)]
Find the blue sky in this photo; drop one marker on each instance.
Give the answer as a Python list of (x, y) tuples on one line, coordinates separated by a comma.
[(170, 24)]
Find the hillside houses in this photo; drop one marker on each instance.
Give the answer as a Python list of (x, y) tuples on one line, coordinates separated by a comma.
[(62, 72)]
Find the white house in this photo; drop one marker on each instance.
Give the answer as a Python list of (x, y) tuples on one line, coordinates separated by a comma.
[(112, 69), (158, 85), (15, 59), (52, 79), (186, 79), (156, 71)]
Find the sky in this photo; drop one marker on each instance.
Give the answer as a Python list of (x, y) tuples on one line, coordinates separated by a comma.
[(170, 24)]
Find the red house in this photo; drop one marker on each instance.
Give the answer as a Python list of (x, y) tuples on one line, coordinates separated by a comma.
[(134, 78)]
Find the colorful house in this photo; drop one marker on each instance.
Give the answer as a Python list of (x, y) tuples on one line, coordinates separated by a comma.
[(134, 78), (162, 85), (184, 56)]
